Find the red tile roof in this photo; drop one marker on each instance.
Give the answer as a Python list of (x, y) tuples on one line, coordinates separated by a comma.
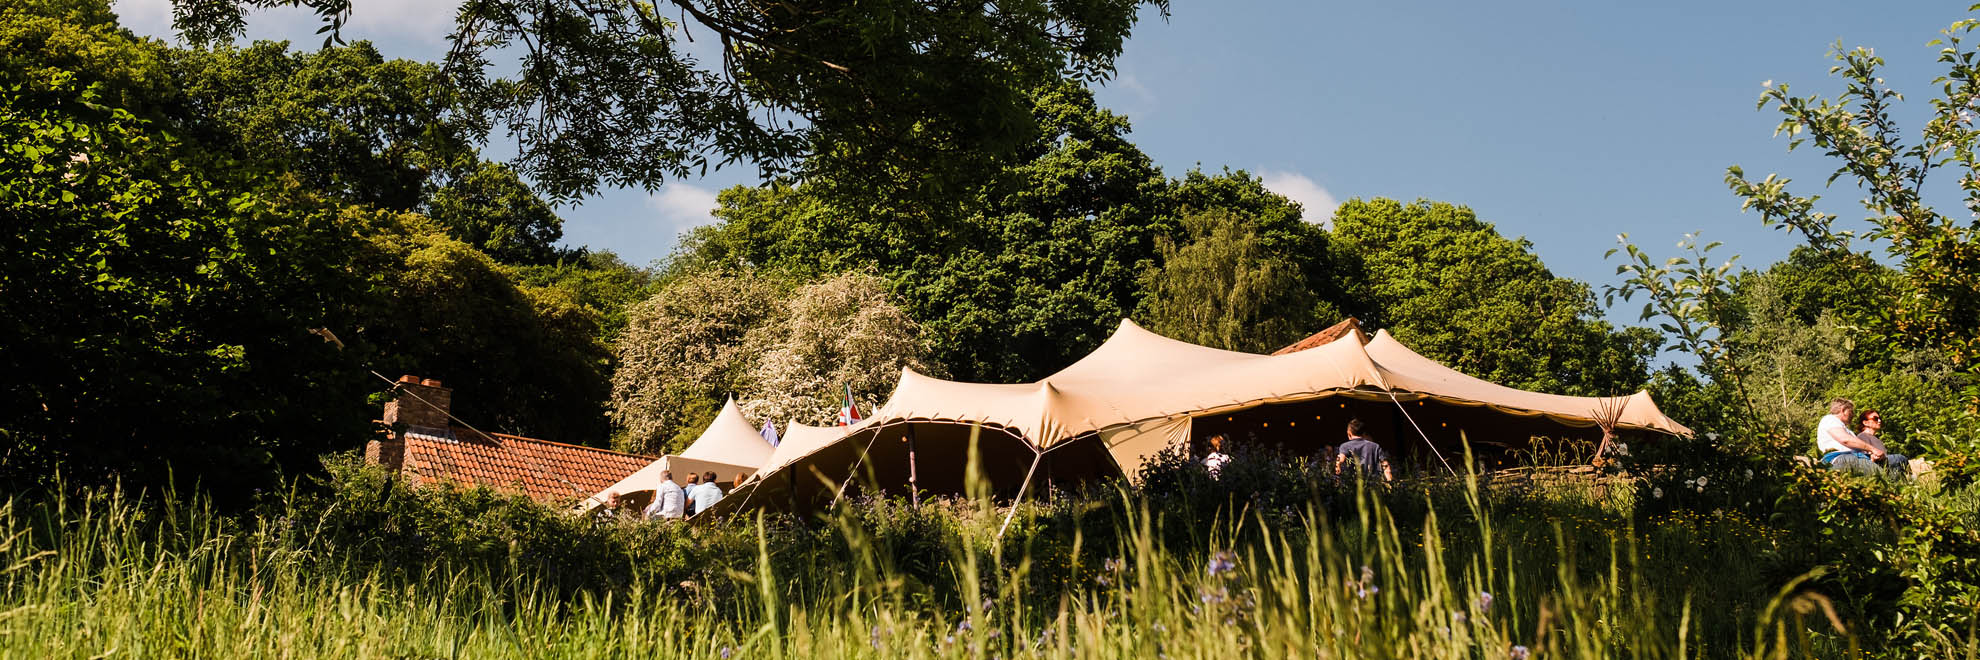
[(541, 469), (1323, 337)]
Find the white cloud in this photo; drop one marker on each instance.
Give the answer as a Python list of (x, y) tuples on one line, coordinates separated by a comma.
[(1132, 84), (1318, 202), (682, 206), (149, 18)]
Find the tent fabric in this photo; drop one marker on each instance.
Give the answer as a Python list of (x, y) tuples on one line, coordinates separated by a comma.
[(728, 447), (1138, 390), (1409, 371), (1132, 446), (730, 439), (797, 441)]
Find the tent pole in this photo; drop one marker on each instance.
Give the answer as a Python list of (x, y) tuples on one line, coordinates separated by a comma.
[(914, 484), (1037, 457), (850, 473), (1420, 433)]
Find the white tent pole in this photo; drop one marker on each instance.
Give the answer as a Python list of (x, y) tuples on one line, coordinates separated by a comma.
[(1420, 433), (1399, 406), (855, 467), (1037, 456)]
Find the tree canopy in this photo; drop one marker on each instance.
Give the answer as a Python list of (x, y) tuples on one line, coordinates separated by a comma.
[(186, 221), (911, 93), (1449, 286)]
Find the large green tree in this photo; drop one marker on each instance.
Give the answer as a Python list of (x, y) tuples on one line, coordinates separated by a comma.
[(899, 93), (1034, 268), (1015, 278), (162, 283), (353, 126), (1247, 272), (1448, 285), (157, 313)]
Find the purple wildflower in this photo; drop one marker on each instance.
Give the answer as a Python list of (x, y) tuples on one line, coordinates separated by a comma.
[(1519, 653), (1222, 562), (1485, 601)]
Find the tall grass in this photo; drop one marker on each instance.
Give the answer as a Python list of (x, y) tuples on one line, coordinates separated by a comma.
[(113, 576)]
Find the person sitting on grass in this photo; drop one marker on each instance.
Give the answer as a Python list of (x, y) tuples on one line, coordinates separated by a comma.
[(1896, 466), (1844, 451), (1214, 462), (1369, 459), (707, 494)]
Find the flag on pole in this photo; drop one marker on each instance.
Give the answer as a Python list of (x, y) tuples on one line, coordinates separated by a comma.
[(849, 415), (769, 433)]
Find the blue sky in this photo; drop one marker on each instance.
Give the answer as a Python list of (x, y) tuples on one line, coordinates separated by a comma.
[(1565, 122)]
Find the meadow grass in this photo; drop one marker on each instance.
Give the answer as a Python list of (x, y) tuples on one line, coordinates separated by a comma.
[(114, 576)]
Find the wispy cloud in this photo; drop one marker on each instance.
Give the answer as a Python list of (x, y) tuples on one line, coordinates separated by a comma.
[(682, 206), (1319, 203), (1132, 85)]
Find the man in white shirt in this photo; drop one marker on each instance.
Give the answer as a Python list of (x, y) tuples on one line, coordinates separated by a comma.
[(669, 502), (1841, 449), (1896, 466)]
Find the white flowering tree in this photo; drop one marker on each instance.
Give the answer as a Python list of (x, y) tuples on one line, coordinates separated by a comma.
[(680, 354), (837, 333)]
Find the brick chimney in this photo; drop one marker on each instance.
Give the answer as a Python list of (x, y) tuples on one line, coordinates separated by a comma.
[(421, 406)]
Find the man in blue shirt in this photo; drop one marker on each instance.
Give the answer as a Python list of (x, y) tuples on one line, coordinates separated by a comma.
[(707, 494), (1369, 459)]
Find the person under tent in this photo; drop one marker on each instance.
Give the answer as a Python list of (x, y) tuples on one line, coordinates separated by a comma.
[(669, 501), (1369, 459), (707, 494), (1215, 460)]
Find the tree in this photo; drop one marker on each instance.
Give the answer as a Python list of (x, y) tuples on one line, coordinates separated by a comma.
[(891, 91), (493, 210), (600, 281), (1012, 280), (51, 49), (521, 359), (839, 334), (356, 127), (1225, 289), (1449, 286), (1937, 294), (682, 353), (346, 122), (157, 313), (1245, 273)]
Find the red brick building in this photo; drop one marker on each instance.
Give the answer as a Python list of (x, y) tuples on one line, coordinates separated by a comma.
[(426, 445)]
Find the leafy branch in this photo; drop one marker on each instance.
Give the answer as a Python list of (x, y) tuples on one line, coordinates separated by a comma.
[(1692, 297), (1937, 305)]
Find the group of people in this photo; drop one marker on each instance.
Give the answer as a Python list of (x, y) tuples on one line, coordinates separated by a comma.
[(1861, 452), (1358, 457), (673, 501)]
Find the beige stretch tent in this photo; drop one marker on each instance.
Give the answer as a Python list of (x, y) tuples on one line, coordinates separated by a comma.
[(1137, 394), (728, 447)]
